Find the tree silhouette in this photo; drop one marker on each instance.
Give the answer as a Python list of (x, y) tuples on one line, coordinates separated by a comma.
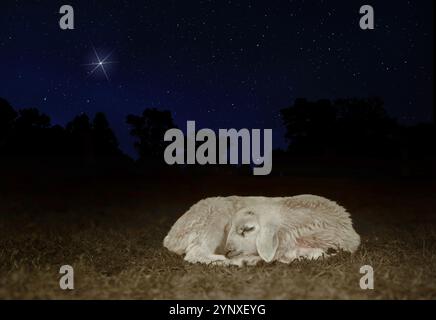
[(149, 130), (31, 133), (7, 119), (105, 142), (363, 126), (346, 126), (93, 141), (309, 125), (80, 133), (29, 119)]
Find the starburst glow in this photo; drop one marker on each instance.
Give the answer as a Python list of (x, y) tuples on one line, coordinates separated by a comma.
[(100, 64)]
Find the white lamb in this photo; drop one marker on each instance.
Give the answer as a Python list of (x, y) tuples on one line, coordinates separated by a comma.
[(245, 230)]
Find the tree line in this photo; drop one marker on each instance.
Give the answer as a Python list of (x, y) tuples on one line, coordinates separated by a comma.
[(353, 127), (343, 127)]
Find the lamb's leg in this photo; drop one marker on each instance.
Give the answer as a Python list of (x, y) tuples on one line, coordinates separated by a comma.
[(309, 247), (298, 253), (202, 255), (310, 253), (206, 259), (245, 260)]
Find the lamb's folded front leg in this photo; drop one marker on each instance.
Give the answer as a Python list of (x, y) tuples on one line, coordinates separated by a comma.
[(299, 253), (311, 253), (201, 256), (240, 261)]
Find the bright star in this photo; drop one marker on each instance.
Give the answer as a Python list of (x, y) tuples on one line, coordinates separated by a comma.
[(100, 63)]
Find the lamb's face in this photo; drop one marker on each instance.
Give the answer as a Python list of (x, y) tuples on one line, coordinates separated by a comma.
[(243, 232), (253, 231)]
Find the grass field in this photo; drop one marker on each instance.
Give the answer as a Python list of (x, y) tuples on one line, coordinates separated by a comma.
[(111, 233)]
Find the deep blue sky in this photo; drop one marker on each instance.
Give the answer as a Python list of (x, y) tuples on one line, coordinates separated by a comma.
[(222, 63)]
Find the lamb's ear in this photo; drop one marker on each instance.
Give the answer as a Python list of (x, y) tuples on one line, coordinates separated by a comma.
[(267, 242)]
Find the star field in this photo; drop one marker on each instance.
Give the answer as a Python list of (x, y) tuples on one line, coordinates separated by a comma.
[(221, 63)]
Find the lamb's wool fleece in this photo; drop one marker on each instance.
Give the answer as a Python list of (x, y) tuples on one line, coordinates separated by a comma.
[(324, 218), (316, 222), (201, 231)]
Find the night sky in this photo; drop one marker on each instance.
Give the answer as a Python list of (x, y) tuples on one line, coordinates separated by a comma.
[(221, 63)]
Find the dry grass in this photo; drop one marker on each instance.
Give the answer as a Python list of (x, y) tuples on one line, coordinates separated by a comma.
[(115, 246)]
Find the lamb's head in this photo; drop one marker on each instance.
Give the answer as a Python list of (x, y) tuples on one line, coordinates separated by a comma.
[(253, 231)]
